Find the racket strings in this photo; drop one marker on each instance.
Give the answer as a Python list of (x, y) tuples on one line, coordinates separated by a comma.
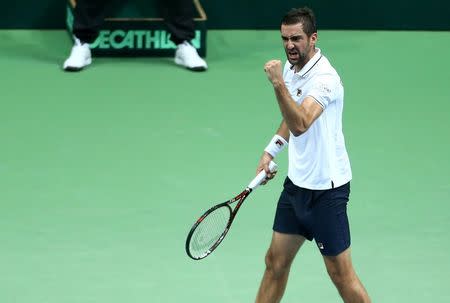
[(209, 231)]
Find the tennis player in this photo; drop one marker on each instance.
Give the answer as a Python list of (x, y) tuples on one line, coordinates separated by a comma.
[(313, 203)]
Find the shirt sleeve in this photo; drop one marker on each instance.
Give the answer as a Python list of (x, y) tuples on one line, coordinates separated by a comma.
[(325, 90)]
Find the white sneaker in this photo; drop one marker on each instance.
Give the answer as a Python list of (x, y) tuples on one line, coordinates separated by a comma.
[(80, 57), (186, 55)]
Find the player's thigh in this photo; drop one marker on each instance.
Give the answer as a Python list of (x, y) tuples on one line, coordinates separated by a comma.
[(283, 248), (340, 266)]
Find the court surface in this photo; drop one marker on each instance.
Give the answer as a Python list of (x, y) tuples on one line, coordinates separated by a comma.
[(103, 172)]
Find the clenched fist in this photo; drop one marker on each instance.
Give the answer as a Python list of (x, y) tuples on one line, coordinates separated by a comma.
[(273, 71)]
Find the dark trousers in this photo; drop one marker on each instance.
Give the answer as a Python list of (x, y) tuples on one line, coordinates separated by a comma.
[(178, 15)]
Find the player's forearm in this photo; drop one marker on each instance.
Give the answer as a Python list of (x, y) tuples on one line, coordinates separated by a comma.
[(283, 131), (292, 114), (277, 143)]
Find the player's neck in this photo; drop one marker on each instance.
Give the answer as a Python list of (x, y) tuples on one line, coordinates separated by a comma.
[(298, 67)]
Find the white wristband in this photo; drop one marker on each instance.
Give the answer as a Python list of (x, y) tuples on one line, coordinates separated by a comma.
[(276, 145)]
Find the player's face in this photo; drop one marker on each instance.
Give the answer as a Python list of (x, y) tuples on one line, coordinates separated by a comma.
[(298, 46)]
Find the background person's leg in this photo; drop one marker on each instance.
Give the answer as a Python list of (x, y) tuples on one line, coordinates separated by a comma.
[(179, 17), (88, 17)]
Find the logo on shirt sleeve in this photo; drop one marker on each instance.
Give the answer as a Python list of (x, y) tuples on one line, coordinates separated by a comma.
[(324, 88)]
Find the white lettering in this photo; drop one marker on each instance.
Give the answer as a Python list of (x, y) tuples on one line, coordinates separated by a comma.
[(113, 38), (155, 39), (139, 39)]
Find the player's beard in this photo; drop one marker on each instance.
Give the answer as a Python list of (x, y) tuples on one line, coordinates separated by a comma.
[(297, 57)]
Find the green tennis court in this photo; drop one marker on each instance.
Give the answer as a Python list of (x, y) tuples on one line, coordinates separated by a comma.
[(103, 172)]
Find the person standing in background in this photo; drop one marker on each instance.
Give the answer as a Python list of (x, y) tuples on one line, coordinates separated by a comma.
[(178, 15)]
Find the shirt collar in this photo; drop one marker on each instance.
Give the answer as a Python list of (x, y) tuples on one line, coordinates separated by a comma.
[(310, 64)]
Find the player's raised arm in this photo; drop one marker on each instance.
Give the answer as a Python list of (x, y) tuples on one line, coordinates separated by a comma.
[(298, 118)]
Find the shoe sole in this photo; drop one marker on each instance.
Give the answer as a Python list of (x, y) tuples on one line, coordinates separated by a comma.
[(197, 69), (77, 69), (194, 69), (73, 69)]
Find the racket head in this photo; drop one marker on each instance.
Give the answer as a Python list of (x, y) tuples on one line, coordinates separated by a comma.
[(208, 231)]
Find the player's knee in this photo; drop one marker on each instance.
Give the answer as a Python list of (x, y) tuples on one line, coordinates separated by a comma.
[(341, 278), (277, 265)]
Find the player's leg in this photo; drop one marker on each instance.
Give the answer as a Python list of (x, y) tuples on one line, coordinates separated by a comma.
[(279, 257), (288, 236), (343, 275), (332, 235)]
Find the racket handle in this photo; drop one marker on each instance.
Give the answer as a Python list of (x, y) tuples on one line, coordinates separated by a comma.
[(262, 176)]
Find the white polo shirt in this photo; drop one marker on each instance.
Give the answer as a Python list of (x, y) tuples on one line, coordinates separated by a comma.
[(318, 158)]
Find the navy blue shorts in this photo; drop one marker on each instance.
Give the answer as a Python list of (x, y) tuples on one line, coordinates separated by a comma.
[(315, 214)]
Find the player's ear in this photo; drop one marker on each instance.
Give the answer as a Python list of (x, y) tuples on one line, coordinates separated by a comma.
[(313, 38)]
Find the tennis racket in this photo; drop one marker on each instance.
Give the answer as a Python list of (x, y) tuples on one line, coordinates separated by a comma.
[(212, 227)]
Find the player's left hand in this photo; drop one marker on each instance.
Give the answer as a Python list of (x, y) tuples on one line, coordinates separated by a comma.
[(273, 71)]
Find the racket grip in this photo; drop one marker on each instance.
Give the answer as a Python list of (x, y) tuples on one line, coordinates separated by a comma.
[(262, 175)]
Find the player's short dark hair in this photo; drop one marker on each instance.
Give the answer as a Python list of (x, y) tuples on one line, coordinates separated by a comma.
[(303, 15)]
